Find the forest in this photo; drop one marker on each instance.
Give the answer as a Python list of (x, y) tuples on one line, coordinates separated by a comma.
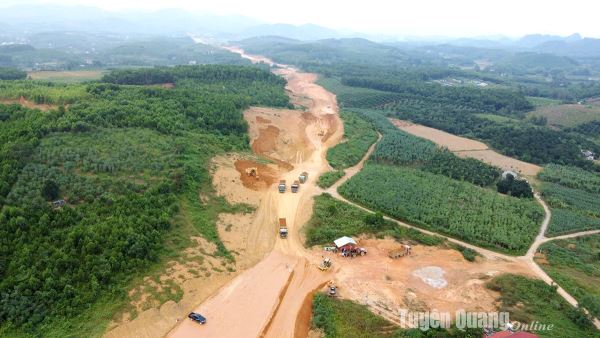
[(458, 209), (12, 74), (123, 158)]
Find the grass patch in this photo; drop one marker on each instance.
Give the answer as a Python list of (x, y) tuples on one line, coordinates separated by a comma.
[(359, 136), (344, 318), (329, 178), (75, 76), (530, 300)]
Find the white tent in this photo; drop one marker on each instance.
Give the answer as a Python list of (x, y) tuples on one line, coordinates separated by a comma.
[(340, 242)]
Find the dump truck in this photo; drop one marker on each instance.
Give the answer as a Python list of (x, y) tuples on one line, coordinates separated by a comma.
[(283, 231), (401, 252), (295, 186), (303, 177), (325, 264), (281, 186)]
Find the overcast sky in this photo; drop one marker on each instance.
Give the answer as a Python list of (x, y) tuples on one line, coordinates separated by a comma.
[(400, 17)]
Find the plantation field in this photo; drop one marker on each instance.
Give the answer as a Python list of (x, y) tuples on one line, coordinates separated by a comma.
[(575, 265), (573, 195), (332, 219), (66, 76), (568, 115), (459, 209), (399, 147)]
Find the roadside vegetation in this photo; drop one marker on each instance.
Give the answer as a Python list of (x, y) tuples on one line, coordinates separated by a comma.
[(573, 195), (329, 178), (575, 265), (455, 208), (129, 163), (528, 300), (344, 318), (333, 218), (359, 135)]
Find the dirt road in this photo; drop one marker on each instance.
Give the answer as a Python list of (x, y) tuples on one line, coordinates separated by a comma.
[(270, 299)]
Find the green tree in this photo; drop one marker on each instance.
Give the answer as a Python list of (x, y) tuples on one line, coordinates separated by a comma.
[(50, 190)]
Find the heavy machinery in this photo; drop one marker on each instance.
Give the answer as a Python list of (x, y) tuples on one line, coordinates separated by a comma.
[(397, 253), (331, 289), (281, 186), (303, 177), (295, 186), (283, 231), (325, 264)]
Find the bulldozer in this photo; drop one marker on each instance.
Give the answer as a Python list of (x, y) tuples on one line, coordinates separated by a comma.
[(325, 264)]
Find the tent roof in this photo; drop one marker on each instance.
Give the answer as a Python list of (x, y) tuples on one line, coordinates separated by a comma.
[(343, 241)]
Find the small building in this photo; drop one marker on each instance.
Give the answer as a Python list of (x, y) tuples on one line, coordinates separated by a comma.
[(344, 243)]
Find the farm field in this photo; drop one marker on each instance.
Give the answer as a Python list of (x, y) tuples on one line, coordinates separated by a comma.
[(67, 76), (575, 264), (459, 209), (568, 115), (468, 148)]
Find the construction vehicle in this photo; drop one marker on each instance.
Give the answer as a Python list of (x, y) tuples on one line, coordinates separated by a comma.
[(353, 252), (252, 172), (325, 264), (397, 253), (295, 186), (283, 231), (303, 177), (332, 289), (281, 186)]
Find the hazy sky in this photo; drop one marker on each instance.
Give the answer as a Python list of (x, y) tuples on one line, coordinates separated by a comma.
[(407, 18)]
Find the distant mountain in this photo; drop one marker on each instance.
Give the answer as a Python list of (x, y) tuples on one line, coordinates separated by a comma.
[(28, 19), (586, 47), (302, 32)]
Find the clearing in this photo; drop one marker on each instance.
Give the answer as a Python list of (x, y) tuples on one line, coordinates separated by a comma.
[(73, 76), (569, 115)]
